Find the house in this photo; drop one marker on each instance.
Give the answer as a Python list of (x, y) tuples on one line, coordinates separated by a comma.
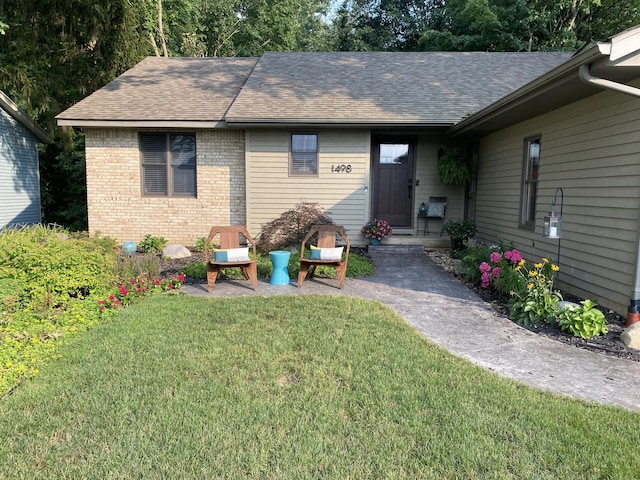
[(176, 145), (19, 174)]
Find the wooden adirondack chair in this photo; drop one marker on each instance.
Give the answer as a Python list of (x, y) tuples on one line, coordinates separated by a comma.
[(229, 240), (326, 238)]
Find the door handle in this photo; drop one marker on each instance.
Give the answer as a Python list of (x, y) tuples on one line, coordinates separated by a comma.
[(410, 186)]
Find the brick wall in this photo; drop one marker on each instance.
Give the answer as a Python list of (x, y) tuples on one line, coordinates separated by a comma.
[(114, 193)]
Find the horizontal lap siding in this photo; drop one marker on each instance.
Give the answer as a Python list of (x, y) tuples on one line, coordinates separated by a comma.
[(118, 209), (430, 186), (19, 175), (592, 150), (271, 191)]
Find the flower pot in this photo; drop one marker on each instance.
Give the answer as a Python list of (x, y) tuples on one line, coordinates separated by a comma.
[(457, 244), (375, 241)]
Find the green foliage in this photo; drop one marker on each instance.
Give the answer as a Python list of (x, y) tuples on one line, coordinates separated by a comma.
[(537, 301), (53, 285), (453, 167), (200, 243), (151, 244), (584, 320), (133, 266), (195, 270), (469, 265), (290, 228), (462, 229), (331, 387)]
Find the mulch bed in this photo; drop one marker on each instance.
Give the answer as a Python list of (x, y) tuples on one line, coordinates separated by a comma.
[(609, 344)]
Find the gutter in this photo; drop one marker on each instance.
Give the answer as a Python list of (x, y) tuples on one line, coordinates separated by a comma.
[(633, 311), (12, 109), (586, 77)]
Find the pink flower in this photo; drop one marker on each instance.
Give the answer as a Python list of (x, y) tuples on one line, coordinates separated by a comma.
[(513, 256), (486, 279), (495, 257), (484, 267), (496, 271)]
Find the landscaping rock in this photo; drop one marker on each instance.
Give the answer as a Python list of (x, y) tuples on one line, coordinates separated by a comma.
[(175, 250), (631, 336)]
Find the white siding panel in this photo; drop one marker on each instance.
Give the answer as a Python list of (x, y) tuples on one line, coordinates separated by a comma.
[(591, 149)]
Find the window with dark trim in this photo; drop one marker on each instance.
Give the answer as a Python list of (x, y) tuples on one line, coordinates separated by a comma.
[(530, 171), (168, 164), (304, 154)]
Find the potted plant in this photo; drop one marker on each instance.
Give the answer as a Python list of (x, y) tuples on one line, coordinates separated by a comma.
[(453, 167), (376, 230), (460, 231)]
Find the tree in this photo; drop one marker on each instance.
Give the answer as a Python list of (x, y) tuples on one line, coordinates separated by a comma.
[(54, 53)]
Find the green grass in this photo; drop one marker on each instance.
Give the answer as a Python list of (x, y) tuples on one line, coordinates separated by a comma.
[(292, 388)]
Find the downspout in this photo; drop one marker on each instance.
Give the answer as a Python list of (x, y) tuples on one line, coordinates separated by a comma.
[(633, 311)]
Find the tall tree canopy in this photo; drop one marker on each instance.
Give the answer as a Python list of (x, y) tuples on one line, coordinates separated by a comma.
[(53, 53)]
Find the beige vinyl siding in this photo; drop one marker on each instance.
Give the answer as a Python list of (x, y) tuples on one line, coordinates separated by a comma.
[(271, 191), (426, 172), (591, 150)]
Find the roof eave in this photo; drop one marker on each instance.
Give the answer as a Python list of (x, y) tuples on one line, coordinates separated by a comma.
[(191, 124), (558, 75), (329, 122), (12, 109)]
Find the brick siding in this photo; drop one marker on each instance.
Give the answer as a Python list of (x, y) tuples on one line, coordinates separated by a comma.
[(118, 209)]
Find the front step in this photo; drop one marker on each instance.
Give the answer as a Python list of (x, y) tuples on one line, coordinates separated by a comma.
[(396, 249), (428, 241)]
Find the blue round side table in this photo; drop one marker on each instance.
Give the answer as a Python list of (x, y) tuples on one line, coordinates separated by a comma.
[(280, 260)]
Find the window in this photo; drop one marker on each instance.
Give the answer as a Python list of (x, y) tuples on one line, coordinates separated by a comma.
[(531, 168), (304, 154), (168, 164)]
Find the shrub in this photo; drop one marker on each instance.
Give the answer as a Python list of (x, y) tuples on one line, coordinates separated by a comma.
[(583, 320), (469, 265), (290, 228), (196, 270), (536, 301), (200, 243), (151, 244)]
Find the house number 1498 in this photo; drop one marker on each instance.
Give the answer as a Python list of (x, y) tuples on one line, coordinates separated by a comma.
[(341, 168)]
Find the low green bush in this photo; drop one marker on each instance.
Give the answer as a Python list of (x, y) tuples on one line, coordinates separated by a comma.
[(151, 244), (583, 320), (54, 284), (200, 243), (469, 265)]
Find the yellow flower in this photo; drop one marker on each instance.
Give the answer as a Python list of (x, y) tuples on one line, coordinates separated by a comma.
[(522, 262), (554, 267), (532, 273), (545, 260), (529, 286), (518, 268), (537, 265)]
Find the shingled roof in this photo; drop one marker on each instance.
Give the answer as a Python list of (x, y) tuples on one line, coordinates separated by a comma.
[(161, 91), (349, 88), (388, 88)]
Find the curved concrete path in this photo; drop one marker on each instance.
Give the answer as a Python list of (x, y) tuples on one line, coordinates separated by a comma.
[(452, 316)]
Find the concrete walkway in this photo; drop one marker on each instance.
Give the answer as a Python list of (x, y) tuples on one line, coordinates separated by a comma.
[(452, 316)]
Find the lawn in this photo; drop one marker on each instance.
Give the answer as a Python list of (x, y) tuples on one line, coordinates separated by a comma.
[(292, 388)]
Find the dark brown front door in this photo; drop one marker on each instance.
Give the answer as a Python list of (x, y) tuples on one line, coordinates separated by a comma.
[(393, 166)]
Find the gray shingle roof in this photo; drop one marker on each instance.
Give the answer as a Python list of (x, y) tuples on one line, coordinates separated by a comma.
[(167, 89), (383, 87)]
